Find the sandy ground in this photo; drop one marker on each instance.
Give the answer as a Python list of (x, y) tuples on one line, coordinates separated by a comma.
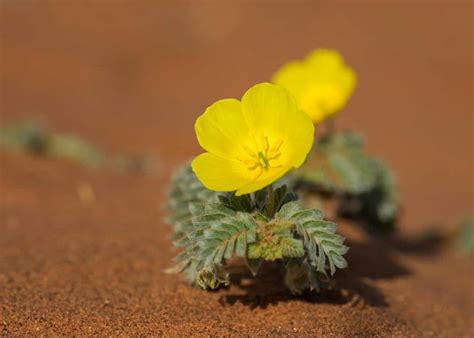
[(133, 76)]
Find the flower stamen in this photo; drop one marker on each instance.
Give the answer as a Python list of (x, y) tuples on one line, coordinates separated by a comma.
[(262, 159)]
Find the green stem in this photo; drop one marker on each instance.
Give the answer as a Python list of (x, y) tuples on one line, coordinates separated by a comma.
[(270, 201)]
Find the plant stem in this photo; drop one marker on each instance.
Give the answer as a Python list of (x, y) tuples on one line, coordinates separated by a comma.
[(270, 201)]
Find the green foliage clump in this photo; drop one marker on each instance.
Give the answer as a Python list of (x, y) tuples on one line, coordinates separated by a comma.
[(465, 238), (211, 228), (363, 185), (337, 163), (379, 205), (26, 135), (186, 196), (33, 138)]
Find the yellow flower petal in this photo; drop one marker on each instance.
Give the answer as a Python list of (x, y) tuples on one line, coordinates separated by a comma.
[(322, 83), (324, 60), (221, 124), (294, 76), (299, 140), (267, 107), (219, 174), (253, 143), (265, 180)]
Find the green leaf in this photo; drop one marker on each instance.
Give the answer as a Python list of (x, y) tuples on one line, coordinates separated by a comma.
[(224, 234), (364, 186), (214, 234), (288, 210), (238, 203), (324, 247), (211, 228), (241, 246), (187, 197), (275, 241), (380, 205), (338, 163), (465, 240), (291, 247)]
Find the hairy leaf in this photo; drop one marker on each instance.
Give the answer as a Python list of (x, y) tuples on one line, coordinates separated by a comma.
[(338, 163), (187, 197), (324, 247), (211, 228), (214, 235), (364, 186)]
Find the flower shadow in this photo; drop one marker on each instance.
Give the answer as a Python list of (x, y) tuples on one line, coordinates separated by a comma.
[(261, 291), (269, 289), (374, 259), (428, 243), (354, 293)]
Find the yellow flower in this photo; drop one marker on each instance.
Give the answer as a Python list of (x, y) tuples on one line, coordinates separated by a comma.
[(253, 142), (322, 83)]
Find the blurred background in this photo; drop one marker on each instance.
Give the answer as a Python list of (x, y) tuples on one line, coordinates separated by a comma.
[(132, 76)]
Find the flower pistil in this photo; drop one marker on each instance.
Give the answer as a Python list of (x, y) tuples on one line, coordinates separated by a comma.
[(263, 158)]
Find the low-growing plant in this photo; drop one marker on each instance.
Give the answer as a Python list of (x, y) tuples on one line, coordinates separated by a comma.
[(239, 198), (226, 205), (34, 138), (212, 227)]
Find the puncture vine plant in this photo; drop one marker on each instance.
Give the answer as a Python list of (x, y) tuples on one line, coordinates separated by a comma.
[(211, 227), (239, 199)]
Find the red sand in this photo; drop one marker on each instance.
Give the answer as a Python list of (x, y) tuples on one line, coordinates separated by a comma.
[(133, 77)]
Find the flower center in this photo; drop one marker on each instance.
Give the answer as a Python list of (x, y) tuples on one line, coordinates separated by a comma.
[(263, 160), (262, 156)]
